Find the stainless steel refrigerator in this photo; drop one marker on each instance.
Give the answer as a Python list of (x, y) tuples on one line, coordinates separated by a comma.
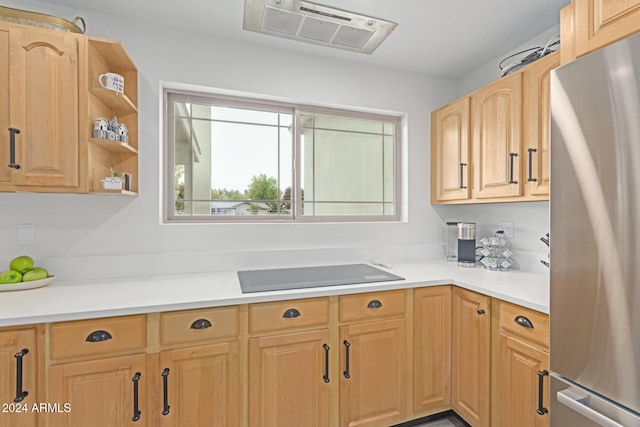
[(595, 239)]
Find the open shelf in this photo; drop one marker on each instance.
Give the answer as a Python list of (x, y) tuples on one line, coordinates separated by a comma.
[(114, 146)]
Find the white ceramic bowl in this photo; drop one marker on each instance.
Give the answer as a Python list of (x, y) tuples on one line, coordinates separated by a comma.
[(26, 285)]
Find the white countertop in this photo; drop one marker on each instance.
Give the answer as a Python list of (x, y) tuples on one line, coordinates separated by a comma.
[(72, 300)]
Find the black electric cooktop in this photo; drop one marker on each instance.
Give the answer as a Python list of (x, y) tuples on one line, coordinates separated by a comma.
[(280, 279)]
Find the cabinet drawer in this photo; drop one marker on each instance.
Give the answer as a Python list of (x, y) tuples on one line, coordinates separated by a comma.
[(177, 327), (97, 336), (526, 323), (371, 306), (283, 315)]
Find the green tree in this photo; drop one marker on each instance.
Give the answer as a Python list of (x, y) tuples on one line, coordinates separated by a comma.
[(264, 188), (224, 194), (178, 187)]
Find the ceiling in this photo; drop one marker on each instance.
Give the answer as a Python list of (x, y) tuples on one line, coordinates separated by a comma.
[(438, 37)]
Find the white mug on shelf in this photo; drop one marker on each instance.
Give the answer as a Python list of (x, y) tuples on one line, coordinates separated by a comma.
[(112, 81)]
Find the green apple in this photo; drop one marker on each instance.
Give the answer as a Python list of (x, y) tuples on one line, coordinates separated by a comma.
[(34, 274), (10, 276), (22, 264)]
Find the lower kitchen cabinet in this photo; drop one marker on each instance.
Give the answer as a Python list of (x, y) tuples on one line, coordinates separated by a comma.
[(373, 373), (431, 349), (289, 380), (18, 377), (104, 392), (523, 367), (200, 386), (471, 356)]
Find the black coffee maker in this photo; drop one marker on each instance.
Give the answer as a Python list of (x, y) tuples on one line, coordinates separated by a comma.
[(466, 244)]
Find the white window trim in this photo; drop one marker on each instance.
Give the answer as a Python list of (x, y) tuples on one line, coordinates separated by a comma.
[(167, 159)]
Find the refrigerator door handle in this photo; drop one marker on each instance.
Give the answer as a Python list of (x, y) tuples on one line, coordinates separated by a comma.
[(580, 404)]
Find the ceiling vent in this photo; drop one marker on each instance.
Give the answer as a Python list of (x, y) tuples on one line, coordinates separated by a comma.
[(314, 23)]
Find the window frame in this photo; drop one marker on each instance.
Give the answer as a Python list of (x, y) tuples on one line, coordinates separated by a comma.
[(297, 110)]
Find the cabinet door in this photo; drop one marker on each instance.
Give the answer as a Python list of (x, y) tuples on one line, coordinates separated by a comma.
[(287, 386), (519, 384), (601, 22), (99, 392), (432, 349), (202, 386), (373, 366), (5, 171), (496, 111), (12, 344), (44, 78), (471, 345), (537, 125), (450, 152)]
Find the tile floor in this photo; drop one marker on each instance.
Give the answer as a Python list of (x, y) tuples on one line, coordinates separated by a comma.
[(449, 421)]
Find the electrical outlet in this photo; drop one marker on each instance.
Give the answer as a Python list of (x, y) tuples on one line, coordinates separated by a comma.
[(25, 234), (507, 227)]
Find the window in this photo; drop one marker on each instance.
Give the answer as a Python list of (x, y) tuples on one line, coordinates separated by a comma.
[(231, 159)]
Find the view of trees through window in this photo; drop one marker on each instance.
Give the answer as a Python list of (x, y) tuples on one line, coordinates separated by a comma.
[(237, 159)]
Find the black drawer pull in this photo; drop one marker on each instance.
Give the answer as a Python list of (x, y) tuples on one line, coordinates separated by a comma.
[(346, 373), (541, 409), (523, 321), (201, 324), (480, 311), (531, 178), (165, 391), (325, 377), (136, 409), (511, 156), (462, 186), (292, 313), (20, 394), (12, 148), (374, 304), (98, 336)]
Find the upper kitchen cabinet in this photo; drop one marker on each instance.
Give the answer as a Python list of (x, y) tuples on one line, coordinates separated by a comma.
[(51, 101), (496, 114), (535, 161), (120, 112), (450, 152), (598, 23), (39, 109)]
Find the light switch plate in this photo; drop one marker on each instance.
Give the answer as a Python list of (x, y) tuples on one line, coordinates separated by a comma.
[(25, 234), (507, 227)]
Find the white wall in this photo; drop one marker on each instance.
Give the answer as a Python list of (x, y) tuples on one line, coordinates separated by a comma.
[(88, 236)]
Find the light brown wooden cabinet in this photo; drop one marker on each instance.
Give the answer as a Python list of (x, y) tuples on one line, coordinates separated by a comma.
[(601, 22), (471, 356), (40, 110), (50, 99), (373, 366), (496, 112), (20, 376), (289, 377), (523, 367), (431, 349), (450, 153), (537, 126), (493, 145), (102, 392)]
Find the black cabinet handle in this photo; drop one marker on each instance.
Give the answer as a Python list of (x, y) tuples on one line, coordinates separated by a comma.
[(201, 324), (98, 336), (462, 186), (325, 377), (346, 373), (523, 321), (292, 313), (531, 178), (480, 311), (374, 304), (136, 409), (511, 156), (165, 391), (541, 409), (12, 148), (20, 394)]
